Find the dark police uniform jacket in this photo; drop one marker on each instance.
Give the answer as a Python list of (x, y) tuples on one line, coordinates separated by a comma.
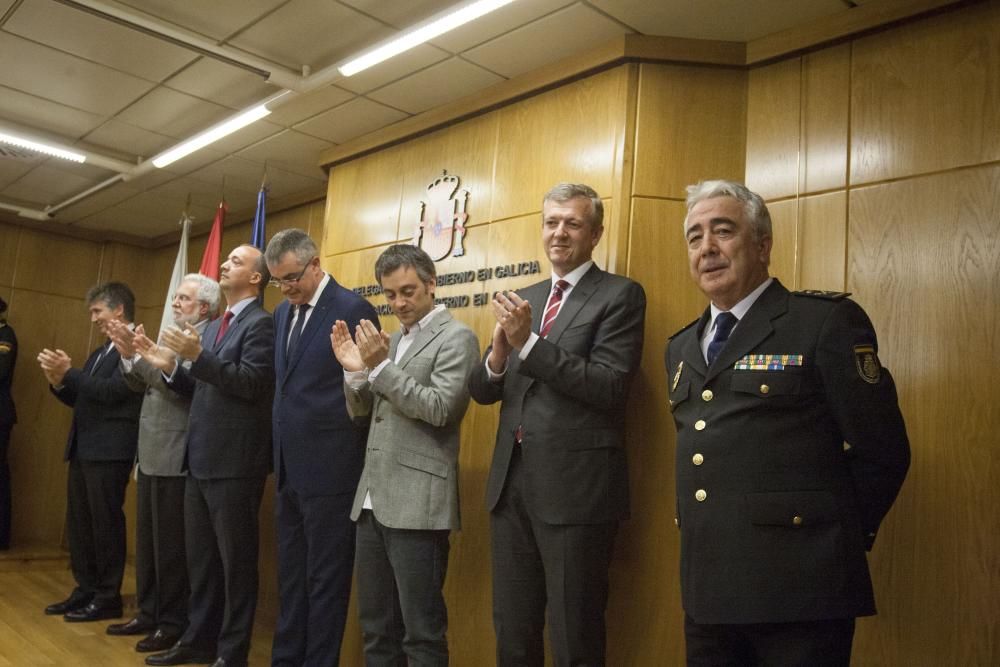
[(790, 450)]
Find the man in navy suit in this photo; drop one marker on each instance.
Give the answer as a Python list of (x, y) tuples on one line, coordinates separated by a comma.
[(231, 381), (100, 451), (318, 454)]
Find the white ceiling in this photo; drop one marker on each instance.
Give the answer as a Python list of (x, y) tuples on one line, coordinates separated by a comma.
[(85, 81)]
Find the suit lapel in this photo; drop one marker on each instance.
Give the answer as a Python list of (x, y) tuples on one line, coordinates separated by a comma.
[(577, 298), (691, 353), (282, 322), (424, 336), (235, 323), (753, 328), (315, 322)]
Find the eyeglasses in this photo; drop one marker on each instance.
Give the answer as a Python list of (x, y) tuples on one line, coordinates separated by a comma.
[(288, 282)]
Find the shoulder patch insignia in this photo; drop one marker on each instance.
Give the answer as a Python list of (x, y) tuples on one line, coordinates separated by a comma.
[(683, 329), (822, 294), (867, 363)]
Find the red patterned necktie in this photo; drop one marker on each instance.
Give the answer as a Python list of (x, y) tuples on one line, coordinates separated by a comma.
[(224, 327), (552, 308)]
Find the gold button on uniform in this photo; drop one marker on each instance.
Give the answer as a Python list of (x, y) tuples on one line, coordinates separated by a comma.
[(796, 521), (700, 495), (707, 395), (697, 459), (764, 389), (699, 425)]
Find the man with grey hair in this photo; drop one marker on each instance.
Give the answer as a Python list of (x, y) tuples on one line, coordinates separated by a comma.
[(413, 385), (790, 450), (563, 355), (161, 580), (318, 454), (100, 450)]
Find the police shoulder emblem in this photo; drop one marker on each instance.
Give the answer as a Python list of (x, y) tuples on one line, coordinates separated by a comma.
[(823, 294), (867, 363)]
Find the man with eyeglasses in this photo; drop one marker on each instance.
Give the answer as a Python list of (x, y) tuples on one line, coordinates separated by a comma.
[(318, 454)]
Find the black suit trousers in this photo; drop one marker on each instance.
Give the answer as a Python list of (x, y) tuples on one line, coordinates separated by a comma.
[(161, 579), (221, 536), (4, 487), (95, 525), (536, 564)]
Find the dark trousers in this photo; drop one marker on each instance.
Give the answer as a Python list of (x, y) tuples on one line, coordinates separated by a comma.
[(801, 644), (536, 564), (95, 526), (315, 563), (401, 606), (161, 580), (221, 531), (4, 486)]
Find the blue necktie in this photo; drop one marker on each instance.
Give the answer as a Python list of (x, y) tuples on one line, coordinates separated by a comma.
[(293, 339), (724, 324)]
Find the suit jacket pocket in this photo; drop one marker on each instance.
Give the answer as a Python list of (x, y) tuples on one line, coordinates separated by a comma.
[(767, 384), (423, 463), (794, 509)]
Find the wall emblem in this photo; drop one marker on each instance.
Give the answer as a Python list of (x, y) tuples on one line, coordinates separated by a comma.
[(441, 216)]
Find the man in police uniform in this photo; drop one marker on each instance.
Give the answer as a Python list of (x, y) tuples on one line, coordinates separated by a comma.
[(8, 417), (790, 450)]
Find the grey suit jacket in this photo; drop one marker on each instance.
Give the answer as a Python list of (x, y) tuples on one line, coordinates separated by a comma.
[(416, 408), (163, 422)]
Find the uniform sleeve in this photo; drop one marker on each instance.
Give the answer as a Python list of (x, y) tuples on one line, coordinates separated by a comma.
[(862, 397)]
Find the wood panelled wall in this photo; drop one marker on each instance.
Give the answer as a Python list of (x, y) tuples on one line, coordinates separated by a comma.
[(880, 159)]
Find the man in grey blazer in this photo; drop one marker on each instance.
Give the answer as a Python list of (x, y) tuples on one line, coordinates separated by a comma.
[(563, 354), (413, 385), (161, 580)]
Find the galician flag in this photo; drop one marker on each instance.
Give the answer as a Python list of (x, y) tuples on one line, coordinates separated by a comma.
[(180, 270)]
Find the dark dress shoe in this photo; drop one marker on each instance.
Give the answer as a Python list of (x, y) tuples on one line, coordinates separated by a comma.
[(158, 641), (95, 611), (222, 662), (72, 603), (180, 654), (136, 626)]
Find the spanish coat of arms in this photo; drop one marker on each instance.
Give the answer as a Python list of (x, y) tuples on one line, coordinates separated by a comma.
[(441, 216)]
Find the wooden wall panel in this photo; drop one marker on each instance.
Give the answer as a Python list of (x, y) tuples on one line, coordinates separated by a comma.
[(773, 137), (363, 202), (691, 126), (9, 235), (822, 245), (566, 134), (56, 264), (925, 262), (825, 103), (784, 251), (924, 97)]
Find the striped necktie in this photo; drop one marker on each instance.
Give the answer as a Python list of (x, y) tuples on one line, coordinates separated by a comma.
[(552, 308)]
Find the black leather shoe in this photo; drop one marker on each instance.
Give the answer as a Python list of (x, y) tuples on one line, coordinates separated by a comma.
[(136, 626), (72, 603), (180, 654), (158, 641), (95, 611), (222, 662)]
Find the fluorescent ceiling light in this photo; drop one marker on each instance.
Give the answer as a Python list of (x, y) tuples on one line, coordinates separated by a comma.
[(210, 135), (41, 148), (421, 33)]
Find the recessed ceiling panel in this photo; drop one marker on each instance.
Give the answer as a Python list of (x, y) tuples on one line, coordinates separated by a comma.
[(436, 86), (306, 105), (217, 19), (62, 78), (46, 185), (291, 150), (357, 117), (501, 21), (31, 111), (98, 40), (222, 84), (401, 15), (174, 114), (518, 51), (119, 136), (393, 69)]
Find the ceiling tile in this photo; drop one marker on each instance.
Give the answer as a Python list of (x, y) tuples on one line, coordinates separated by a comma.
[(303, 106), (218, 19), (393, 69), (120, 136), (47, 185), (401, 15), (717, 19), (195, 161), (499, 22), (96, 39), (242, 176), (173, 114), (305, 32), (46, 116), (247, 136), (518, 52), (65, 79), (436, 86), (221, 83), (12, 169), (97, 202), (291, 150), (357, 117)]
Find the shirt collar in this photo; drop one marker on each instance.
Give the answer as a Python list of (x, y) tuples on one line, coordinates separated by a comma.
[(238, 307), (319, 290), (425, 320), (741, 308), (573, 277)]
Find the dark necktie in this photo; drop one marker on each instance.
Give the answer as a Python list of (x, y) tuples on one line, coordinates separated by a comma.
[(226, 319), (293, 340), (98, 360), (552, 308), (724, 324)]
